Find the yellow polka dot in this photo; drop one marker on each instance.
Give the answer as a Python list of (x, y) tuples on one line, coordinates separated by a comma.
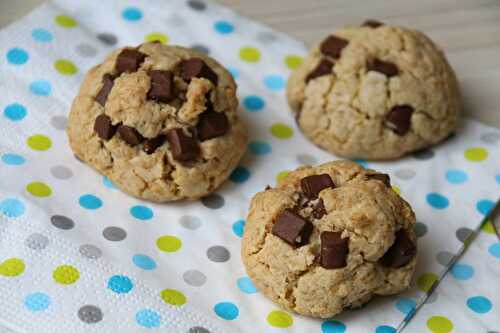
[(249, 54), (293, 61), (425, 281), (439, 324), (65, 21), (396, 189), (39, 142), (173, 297), (65, 67), (157, 36), (168, 243), (39, 189), (280, 176), (476, 154), (279, 319), (281, 131), (488, 227), (12, 267), (66, 274)]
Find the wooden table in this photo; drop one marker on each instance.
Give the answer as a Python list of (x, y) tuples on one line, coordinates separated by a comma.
[(468, 31)]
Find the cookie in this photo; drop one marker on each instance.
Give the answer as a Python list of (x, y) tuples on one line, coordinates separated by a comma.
[(375, 92), (328, 238), (160, 121)]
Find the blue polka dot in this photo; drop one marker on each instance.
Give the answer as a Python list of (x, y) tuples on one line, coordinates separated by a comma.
[(385, 329), (17, 56), (479, 304), (12, 207), (132, 14), (13, 159), (226, 310), (456, 176), (239, 175), (89, 201), (41, 87), (333, 326), (223, 27), (148, 318), (274, 82), (437, 200), (108, 183), (405, 305), (239, 227), (246, 285), (120, 284), (234, 72), (37, 302), (462, 271), (15, 112), (253, 103), (144, 262), (259, 147), (361, 162), (494, 250), (41, 35), (497, 178), (141, 212), (484, 206)]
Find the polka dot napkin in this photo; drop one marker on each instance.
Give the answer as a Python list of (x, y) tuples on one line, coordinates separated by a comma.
[(78, 255)]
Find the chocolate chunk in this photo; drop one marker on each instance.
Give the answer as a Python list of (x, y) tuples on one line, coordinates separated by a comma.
[(183, 147), (372, 24), (323, 68), (384, 67), (334, 250), (129, 60), (332, 46), (212, 124), (292, 228), (319, 210), (104, 127), (195, 67), (383, 177), (399, 119), (312, 185), (150, 145), (401, 252), (130, 135), (162, 86), (107, 84)]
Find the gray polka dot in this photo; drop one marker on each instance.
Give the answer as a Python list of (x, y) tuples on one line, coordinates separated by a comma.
[(306, 159), (90, 251), (190, 222), (198, 329), (61, 172), (62, 222), (404, 174), (90, 314), (432, 297), (86, 50), (36, 241), (420, 229), (197, 5), (218, 254), (175, 20), (463, 233), (114, 234), (266, 37), (444, 257), (201, 48), (107, 38), (59, 122), (213, 201), (493, 138), (194, 278), (423, 155)]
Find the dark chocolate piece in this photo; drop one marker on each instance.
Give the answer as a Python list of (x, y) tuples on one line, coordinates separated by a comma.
[(212, 124), (399, 119), (312, 185), (107, 84), (150, 145), (104, 127), (334, 250), (195, 67), (319, 210), (129, 60), (292, 228), (332, 46), (401, 252), (162, 86), (323, 68), (183, 147), (384, 67), (372, 24), (130, 135), (383, 177)]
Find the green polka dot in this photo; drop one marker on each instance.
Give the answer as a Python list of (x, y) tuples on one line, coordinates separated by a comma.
[(293, 61), (173, 297), (39, 189), (425, 281), (65, 67), (396, 189), (169, 243), (281, 131), (157, 36), (65, 21), (249, 54), (279, 319), (280, 176), (488, 227), (12, 267), (439, 324), (66, 274), (476, 154), (39, 142)]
